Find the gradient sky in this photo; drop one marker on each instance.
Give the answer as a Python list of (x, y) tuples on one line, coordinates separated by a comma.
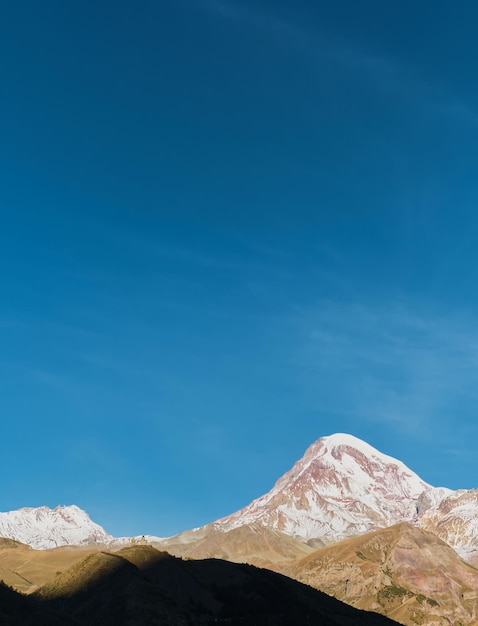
[(229, 228)]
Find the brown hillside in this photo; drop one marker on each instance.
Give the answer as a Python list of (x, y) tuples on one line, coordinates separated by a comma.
[(26, 569), (141, 586), (255, 544), (402, 571)]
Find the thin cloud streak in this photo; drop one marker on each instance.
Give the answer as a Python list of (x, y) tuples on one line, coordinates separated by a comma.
[(387, 74), (413, 371)]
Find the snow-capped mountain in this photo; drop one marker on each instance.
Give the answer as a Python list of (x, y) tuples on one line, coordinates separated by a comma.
[(43, 527), (341, 487)]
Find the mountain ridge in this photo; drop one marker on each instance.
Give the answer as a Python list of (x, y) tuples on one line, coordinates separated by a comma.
[(341, 487)]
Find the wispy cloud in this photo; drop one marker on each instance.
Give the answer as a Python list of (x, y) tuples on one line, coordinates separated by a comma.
[(318, 46), (227, 10), (415, 371)]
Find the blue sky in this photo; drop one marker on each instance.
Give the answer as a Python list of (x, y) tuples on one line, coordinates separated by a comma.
[(228, 229)]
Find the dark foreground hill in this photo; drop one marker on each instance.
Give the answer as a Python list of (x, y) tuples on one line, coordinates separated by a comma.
[(19, 610), (141, 586)]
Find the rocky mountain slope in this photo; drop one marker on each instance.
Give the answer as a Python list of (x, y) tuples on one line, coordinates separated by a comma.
[(455, 520), (403, 572)]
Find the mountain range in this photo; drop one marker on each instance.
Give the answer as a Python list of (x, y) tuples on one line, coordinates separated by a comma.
[(345, 519)]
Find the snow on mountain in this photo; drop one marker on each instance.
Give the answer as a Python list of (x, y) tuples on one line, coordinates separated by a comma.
[(343, 487), (340, 488), (432, 498), (43, 527), (454, 519)]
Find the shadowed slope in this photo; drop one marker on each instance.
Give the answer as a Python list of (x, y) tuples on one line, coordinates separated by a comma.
[(140, 585), (17, 610)]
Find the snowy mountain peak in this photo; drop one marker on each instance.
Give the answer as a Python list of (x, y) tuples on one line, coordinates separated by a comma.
[(341, 487), (42, 527), (344, 439), (351, 445), (353, 465)]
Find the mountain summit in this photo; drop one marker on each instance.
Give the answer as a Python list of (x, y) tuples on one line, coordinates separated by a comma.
[(43, 527), (340, 488)]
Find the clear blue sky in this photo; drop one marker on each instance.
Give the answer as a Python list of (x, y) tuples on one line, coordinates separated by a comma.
[(229, 228)]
